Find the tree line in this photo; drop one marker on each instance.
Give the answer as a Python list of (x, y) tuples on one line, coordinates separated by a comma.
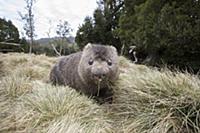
[(160, 31)]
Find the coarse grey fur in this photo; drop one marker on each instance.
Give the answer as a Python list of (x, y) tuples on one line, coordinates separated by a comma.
[(91, 79)]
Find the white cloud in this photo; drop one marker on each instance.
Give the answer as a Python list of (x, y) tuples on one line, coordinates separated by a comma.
[(73, 11)]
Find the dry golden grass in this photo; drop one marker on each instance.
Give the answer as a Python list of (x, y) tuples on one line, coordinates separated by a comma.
[(145, 100)]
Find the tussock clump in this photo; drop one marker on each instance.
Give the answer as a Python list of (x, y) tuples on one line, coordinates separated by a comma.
[(65, 105), (33, 72), (47, 106), (43, 60), (15, 59), (145, 101), (31, 66), (74, 124), (55, 101), (158, 101), (15, 86)]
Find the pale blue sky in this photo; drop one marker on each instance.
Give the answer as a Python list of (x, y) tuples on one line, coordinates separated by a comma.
[(48, 13)]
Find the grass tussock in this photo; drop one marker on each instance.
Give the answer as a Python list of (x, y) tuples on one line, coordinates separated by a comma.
[(145, 100)]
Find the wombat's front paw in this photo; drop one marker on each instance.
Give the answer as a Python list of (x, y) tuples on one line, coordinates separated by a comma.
[(108, 96), (105, 96)]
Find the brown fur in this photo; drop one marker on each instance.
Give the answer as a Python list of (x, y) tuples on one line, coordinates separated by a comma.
[(75, 71)]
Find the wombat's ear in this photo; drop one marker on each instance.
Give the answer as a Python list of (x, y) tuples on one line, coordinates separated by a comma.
[(113, 48), (89, 45)]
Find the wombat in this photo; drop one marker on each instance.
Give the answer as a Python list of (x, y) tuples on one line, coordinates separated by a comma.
[(90, 72)]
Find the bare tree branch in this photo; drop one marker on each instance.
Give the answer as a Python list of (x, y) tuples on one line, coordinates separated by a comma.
[(54, 48), (8, 43)]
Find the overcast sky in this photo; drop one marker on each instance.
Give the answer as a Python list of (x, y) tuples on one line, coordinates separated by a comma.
[(48, 13)]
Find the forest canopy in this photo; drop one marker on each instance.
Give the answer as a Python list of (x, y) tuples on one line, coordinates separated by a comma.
[(164, 32)]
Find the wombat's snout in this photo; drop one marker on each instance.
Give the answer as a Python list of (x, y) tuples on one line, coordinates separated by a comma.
[(99, 73)]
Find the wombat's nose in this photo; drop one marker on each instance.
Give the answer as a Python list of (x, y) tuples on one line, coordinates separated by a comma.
[(99, 75)]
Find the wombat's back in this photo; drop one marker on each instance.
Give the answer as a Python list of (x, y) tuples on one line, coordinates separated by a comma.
[(65, 72)]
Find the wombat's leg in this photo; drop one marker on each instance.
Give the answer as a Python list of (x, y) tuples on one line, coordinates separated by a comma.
[(105, 96)]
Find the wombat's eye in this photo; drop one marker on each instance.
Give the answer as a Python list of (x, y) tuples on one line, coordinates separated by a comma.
[(109, 62), (90, 62)]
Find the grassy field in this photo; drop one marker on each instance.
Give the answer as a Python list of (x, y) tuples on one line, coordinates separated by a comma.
[(145, 100)]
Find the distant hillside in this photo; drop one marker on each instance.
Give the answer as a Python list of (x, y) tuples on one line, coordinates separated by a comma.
[(70, 39)]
